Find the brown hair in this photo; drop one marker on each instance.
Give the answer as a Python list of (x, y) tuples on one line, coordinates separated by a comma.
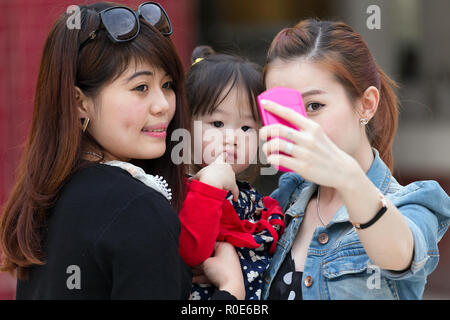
[(343, 51), (54, 147)]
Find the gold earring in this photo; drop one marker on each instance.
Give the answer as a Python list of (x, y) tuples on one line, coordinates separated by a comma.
[(363, 121), (84, 124)]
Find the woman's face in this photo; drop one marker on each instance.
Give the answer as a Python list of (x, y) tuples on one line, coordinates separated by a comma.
[(230, 129), (325, 100), (129, 118)]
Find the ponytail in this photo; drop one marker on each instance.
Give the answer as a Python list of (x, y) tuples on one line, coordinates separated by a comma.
[(383, 126)]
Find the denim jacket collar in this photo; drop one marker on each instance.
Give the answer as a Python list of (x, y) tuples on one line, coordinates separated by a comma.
[(298, 208), (378, 173)]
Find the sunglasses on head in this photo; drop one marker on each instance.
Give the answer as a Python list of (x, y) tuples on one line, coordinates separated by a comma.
[(122, 23)]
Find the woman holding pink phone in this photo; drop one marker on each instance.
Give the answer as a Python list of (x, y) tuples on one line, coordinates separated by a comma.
[(352, 231)]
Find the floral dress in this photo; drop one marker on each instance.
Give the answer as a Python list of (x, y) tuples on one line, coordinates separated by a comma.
[(262, 219)]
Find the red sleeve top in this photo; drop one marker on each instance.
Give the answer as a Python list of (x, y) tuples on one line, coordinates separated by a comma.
[(208, 216)]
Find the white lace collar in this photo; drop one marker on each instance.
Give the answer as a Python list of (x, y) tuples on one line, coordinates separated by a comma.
[(156, 182)]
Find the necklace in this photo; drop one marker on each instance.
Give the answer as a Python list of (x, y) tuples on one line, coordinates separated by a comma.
[(94, 154), (317, 205)]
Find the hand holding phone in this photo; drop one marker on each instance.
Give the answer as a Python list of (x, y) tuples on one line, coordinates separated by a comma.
[(287, 97)]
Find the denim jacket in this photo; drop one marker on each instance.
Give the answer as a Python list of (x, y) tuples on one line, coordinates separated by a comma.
[(337, 266)]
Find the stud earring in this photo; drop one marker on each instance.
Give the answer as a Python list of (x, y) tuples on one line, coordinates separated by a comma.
[(363, 121)]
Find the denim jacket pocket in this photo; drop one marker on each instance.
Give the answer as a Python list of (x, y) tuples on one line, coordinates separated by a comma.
[(350, 275), (355, 262)]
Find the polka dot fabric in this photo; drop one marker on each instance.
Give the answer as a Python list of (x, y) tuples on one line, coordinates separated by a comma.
[(287, 284)]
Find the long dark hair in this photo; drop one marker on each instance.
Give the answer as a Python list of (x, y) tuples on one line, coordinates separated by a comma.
[(55, 144), (343, 51)]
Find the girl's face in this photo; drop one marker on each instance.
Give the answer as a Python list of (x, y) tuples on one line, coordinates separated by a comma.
[(325, 100), (230, 130), (130, 116)]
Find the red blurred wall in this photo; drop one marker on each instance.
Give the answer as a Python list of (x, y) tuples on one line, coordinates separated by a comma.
[(24, 25)]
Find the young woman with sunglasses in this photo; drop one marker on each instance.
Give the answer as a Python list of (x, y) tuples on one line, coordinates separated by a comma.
[(352, 231), (90, 216)]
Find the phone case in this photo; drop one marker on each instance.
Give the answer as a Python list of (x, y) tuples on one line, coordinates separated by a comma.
[(287, 97)]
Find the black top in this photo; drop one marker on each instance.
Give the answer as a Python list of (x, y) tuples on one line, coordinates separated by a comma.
[(110, 237), (287, 284)]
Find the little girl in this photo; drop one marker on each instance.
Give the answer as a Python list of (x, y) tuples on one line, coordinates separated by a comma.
[(221, 92)]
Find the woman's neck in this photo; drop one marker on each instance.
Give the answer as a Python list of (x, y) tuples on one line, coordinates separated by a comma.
[(104, 156), (364, 156)]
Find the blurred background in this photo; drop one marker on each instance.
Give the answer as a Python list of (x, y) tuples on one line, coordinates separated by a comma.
[(412, 45)]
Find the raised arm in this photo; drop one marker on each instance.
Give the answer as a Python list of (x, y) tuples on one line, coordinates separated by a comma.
[(389, 242)]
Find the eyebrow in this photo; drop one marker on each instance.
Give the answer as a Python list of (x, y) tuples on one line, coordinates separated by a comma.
[(312, 93), (220, 111), (247, 116), (145, 73), (139, 73)]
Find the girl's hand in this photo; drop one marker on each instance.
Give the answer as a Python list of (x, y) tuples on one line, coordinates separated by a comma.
[(312, 154), (219, 174), (223, 270)]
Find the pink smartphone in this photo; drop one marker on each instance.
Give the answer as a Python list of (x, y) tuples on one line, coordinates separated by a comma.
[(287, 97)]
